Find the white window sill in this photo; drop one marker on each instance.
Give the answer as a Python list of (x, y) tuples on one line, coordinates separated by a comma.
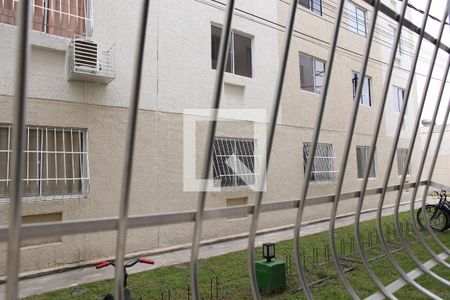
[(47, 198), (41, 39), (370, 178), (238, 80)]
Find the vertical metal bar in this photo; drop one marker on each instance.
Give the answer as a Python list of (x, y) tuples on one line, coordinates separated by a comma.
[(421, 166), (218, 85), (408, 159), (430, 173), (41, 158), (37, 156), (8, 154), (312, 152), (56, 157), (359, 242), (343, 167), (269, 144), (46, 154), (80, 160), (15, 204), (389, 255), (129, 153), (73, 163), (27, 149), (433, 163), (63, 132)]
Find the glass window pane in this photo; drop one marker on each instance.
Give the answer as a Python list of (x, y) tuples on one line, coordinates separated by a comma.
[(306, 73), (4, 138), (304, 3), (352, 23), (317, 6), (215, 44), (319, 75), (361, 19), (242, 55)]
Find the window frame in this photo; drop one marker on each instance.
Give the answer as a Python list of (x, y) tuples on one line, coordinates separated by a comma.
[(396, 90), (363, 171), (356, 20), (314, 75), (231, 50), (331, 172), (369, 84), (83, 161), (401, 165), (311, 7), (400, 43)]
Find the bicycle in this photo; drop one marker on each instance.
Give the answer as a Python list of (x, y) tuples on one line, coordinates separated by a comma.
[(438, 214), (129, 264)]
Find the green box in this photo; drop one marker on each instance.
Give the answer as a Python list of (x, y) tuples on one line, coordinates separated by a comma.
[(271, 276)]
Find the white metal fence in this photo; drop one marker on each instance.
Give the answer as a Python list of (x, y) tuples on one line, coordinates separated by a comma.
[(15, 231)]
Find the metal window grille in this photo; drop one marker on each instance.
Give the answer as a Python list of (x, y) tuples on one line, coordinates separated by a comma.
[(15, 232), (234, 162), (362, 159), (56, 163), (67, 18), (323, 169)]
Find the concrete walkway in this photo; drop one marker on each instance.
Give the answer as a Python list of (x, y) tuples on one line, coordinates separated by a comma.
[(56, 281)]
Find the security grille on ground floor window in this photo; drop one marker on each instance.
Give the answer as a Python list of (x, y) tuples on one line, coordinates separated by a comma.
[(323, 168), (402, 156), (56, 162), (234, 162), (362, 159)]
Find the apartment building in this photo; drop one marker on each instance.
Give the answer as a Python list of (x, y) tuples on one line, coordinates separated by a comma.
[(81, 69)]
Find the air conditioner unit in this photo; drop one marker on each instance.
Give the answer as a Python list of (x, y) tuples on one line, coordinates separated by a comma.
[(88, 62)]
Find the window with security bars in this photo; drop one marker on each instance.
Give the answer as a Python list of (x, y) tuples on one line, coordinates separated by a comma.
[(234, 162), (323, 169), (67, 18), (402, 156), (55, 162), (362, 159)]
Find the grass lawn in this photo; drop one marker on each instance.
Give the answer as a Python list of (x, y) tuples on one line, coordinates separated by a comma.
[(230, 271)]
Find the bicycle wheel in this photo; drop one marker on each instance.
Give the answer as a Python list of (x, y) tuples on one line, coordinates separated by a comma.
[(437, 218)]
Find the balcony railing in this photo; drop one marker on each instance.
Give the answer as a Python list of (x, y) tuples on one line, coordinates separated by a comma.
[(66, 18)]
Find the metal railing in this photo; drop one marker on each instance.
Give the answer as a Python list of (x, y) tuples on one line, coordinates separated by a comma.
[(15, 231), (66, 18)]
